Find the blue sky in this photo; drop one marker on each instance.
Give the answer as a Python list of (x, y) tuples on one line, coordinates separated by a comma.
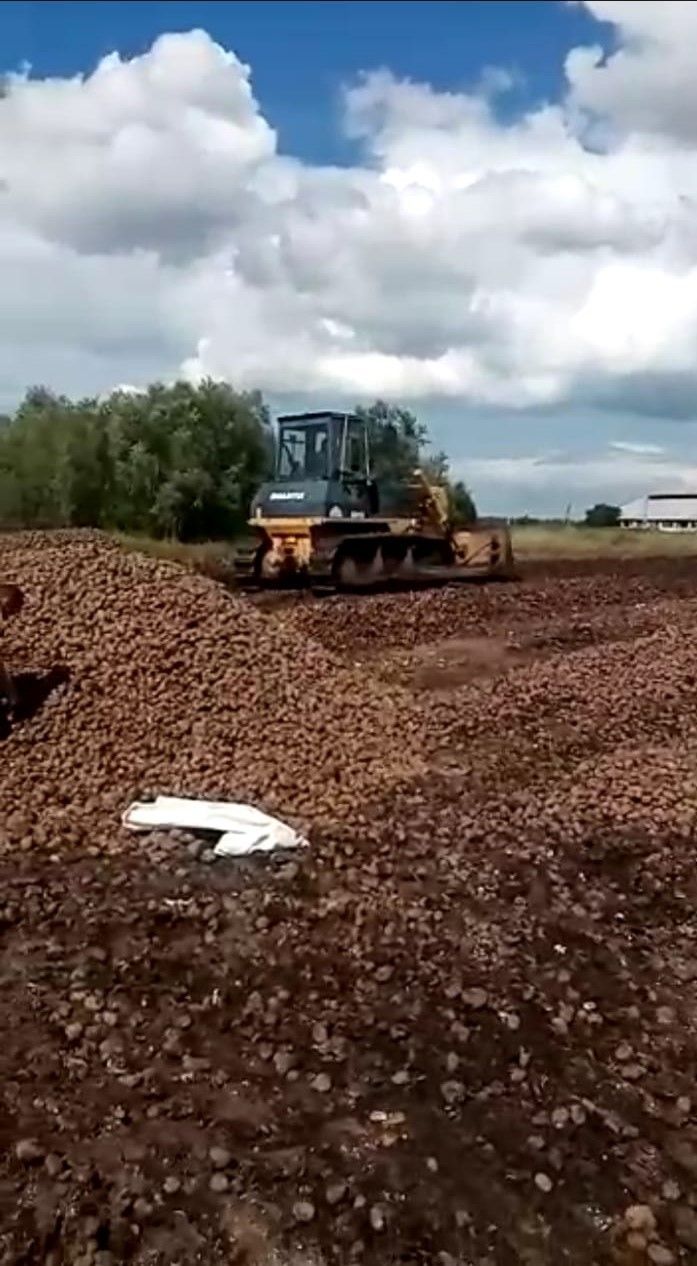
[(507, 246), (302, 52)]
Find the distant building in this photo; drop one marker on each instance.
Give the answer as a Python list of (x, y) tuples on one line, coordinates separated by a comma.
[(664, 511)]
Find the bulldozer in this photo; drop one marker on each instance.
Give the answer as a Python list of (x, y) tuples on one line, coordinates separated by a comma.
[(325, 522), (11, 603)]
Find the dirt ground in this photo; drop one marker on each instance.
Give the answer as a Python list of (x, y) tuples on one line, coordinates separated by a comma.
[(459, 1029)]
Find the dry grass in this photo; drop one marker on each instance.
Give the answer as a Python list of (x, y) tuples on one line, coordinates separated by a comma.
[(572, 541), (210, 558)]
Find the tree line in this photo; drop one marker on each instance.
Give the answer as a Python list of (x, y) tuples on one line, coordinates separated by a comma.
[(181, 460)]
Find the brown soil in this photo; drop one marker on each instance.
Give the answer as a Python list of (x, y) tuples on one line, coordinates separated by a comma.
[(460, 1028), (455, 661)]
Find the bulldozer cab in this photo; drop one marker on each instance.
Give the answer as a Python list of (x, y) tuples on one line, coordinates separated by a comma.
[(321, 470), (322, 446)]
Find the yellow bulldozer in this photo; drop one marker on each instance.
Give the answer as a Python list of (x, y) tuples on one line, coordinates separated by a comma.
[(325, 521)]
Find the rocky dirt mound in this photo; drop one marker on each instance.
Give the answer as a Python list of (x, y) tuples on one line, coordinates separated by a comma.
[(459, 1030), (535, 722), (166, 684), (357, 626)]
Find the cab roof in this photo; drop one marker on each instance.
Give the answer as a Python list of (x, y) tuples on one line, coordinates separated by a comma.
[(321, 415)]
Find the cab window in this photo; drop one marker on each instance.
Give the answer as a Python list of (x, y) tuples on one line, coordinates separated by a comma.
[(355, 450), (303, 452)]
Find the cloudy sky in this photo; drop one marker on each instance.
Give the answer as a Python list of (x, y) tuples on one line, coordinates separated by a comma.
[(485, 211)]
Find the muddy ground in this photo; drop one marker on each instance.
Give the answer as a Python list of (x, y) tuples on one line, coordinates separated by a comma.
[(460, 1028)]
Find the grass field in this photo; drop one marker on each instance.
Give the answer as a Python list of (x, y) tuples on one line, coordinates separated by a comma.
[(210, 558), (576, 541)]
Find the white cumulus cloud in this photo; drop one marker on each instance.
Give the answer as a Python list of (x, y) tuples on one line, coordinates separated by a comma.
[(150, 225)]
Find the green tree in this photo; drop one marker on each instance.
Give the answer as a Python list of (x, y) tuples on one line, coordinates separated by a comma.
[(172, 460), (187, 460), (603, 515), (55, 462), (399, 442), (396, 439)]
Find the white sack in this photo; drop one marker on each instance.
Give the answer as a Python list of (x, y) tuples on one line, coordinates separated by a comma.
[(243, 828)]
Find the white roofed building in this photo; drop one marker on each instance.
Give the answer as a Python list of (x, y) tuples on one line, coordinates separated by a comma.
[(665, 511)]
